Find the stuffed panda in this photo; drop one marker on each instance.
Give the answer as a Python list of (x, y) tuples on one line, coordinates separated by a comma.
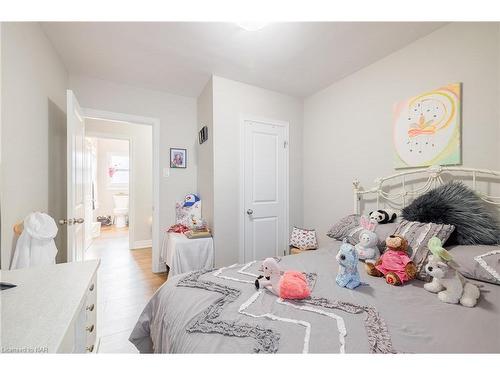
[(383, 216)]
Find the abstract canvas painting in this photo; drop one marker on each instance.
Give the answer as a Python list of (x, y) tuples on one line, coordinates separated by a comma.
[(427, 128)]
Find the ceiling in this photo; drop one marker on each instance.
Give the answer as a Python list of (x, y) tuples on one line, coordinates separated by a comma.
[(298, 59)]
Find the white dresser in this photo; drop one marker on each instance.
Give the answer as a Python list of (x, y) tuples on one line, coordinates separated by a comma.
[(53, 309)]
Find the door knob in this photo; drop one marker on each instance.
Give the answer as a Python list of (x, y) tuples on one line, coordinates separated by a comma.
[(71, 221), (249, 211)]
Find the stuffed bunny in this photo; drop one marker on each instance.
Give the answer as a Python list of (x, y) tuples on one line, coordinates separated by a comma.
[(367, 247)]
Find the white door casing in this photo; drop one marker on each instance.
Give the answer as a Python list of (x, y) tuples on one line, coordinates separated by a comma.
[(157, 264), (75, 178), (87, 191), (265, 188)]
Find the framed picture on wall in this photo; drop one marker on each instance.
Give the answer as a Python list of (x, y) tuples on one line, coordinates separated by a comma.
[(427, 128), (178, 158)]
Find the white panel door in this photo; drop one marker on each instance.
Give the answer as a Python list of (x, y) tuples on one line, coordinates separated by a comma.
[(75, 190), (265, 190)]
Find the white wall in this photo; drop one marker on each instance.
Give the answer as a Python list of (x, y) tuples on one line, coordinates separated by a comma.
[(230, 100), (33, 104), (347, 126), (141, 141), (177, 116), (206, 154)]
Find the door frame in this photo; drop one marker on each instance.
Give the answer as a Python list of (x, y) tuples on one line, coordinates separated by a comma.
[(86, 156), (241, 187), (91, 113)]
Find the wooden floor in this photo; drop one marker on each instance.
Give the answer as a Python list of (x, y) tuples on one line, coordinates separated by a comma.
[(125, 285)]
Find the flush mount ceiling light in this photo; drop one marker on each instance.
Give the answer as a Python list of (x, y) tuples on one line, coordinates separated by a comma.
[(252, 26)]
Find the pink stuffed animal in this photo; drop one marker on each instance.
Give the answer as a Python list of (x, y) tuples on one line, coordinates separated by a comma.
[(290, 285)]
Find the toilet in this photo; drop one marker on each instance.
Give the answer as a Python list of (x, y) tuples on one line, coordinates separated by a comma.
[(120, 210)]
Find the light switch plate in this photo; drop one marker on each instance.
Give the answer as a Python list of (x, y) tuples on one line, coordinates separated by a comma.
[(166, 172)]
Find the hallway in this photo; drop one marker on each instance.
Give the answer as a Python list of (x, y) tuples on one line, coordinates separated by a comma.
[(125, 285)]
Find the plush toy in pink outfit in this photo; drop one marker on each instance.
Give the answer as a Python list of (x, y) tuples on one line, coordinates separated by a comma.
[(290, 285), (395, 264)]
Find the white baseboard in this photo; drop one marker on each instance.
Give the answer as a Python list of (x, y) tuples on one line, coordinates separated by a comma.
[(142, 244), (159, 267)]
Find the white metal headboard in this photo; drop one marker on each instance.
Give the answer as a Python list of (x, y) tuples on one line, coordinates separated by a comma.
[(421, 181)]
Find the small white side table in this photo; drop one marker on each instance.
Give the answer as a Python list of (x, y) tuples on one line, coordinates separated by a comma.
[(182, 254)]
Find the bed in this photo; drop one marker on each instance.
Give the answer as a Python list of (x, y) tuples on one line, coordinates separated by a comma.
[(221, 311)]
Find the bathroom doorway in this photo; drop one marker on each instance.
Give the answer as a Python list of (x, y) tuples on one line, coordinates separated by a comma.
[(118, 175), (108, 174)]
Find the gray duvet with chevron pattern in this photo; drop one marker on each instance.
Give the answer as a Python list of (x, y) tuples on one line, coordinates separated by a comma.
[(221, 311)]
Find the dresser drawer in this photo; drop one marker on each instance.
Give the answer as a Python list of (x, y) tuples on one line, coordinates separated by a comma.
[(92, 288), (90, 306), (91, 341)]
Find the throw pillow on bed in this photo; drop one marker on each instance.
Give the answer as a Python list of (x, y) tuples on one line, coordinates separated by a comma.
[(418, 235), (456, 204), (304, 239), (479, 262)]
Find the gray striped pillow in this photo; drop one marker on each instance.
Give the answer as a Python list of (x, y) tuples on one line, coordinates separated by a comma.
[(418, 235)]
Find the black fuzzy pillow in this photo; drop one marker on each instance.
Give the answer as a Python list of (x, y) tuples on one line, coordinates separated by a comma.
[(456, 204)]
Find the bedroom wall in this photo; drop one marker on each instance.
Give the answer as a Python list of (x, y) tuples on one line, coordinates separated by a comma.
[(206, 153), (141, 141), (177, 115), (230, 100), (33, 118), (347, 126)]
